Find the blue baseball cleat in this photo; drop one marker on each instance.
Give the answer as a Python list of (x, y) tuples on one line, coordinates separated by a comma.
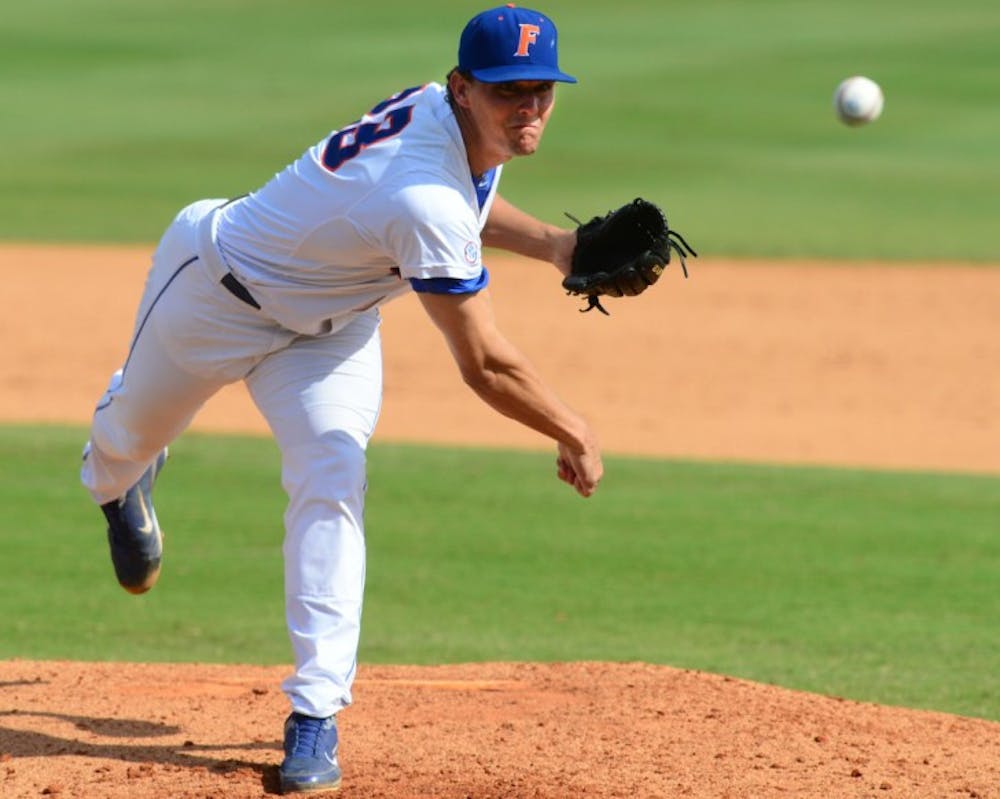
[(310, 762), (134, 534)]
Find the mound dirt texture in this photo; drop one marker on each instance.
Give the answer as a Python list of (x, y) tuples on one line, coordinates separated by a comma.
[(486, 731), (864, 365)]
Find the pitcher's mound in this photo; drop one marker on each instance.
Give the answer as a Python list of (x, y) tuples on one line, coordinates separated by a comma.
[(484, 731)]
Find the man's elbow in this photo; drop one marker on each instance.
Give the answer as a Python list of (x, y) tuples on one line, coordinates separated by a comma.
[(479, 378)]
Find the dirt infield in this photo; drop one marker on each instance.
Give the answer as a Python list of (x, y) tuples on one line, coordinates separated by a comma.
[(494, 731), (868, 365)]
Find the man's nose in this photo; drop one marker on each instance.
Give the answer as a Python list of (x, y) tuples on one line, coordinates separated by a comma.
[(529, 105)]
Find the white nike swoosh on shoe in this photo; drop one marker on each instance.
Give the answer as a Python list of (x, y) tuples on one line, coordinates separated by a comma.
[(146, 528)]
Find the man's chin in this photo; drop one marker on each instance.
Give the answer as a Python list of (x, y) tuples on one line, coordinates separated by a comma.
[(526, 145)]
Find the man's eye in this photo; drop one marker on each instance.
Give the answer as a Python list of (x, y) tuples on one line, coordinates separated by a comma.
[(512, 90)]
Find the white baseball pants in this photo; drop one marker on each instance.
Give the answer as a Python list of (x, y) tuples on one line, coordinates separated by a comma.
[(321, 398)]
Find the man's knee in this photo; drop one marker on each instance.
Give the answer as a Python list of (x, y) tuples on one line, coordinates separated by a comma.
[(126, 445), (330, 468)]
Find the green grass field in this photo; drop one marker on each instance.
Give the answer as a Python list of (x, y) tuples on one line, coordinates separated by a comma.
[(876, 586), (117, 113)]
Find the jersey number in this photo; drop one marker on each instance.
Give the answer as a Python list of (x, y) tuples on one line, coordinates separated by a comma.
[(347, 143)]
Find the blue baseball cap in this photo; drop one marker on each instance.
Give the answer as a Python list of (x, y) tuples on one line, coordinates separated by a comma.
[(510, 43)]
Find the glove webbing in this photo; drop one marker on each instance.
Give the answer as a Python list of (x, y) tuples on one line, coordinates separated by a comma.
[(593, 301), (673, 245)]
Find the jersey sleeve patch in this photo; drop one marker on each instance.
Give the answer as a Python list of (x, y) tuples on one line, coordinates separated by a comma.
[(451, 285)]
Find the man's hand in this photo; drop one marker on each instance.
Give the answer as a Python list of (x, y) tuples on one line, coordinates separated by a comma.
[(581, 469)]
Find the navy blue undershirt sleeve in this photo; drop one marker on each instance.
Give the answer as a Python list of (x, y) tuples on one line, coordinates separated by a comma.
[(451, 285)]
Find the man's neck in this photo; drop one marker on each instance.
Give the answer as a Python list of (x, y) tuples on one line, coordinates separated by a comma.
[(480, 160)]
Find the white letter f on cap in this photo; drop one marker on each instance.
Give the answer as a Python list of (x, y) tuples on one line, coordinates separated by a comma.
[(529, 35)]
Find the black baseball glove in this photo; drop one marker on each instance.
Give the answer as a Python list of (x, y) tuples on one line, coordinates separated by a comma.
[(622, 253)]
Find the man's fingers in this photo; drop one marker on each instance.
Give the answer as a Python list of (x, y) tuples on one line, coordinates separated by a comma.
[(566, 473)]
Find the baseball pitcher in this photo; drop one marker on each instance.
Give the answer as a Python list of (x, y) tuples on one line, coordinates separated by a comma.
[(281, 289)]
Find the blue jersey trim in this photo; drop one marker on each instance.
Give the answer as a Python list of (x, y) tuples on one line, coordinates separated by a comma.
[(483, 186), (450, 285)]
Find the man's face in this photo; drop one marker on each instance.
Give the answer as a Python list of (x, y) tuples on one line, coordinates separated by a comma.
[(510, 117)]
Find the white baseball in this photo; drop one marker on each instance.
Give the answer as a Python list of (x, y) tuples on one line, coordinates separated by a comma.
[(858, 100)]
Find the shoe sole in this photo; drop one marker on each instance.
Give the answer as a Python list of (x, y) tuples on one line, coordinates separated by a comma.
[(291, 787)]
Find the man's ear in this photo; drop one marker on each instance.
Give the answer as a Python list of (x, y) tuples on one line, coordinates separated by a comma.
[(459, 87)]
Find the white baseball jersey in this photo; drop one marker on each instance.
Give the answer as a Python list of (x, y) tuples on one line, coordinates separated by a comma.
[(375, 204), (375, 208)]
